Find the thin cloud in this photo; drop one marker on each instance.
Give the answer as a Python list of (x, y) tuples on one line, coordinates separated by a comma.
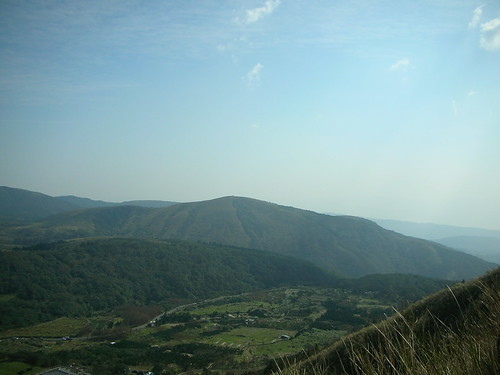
[(455, 107), (490, 35), (253, 76), (402, 64), (255, 14), (223, 47), (476, 17)]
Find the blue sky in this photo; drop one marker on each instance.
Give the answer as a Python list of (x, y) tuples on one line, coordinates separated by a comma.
[(382, 109)]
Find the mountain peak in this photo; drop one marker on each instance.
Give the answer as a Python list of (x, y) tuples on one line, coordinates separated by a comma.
[(346, 245)]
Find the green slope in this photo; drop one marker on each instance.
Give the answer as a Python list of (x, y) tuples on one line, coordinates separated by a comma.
[(390, 286), (346, 245), (77, 277)]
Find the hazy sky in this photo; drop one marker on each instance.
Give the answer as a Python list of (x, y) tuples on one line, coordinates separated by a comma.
[(383, 109)]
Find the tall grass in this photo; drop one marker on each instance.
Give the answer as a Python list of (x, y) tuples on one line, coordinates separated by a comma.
[(456, 332)]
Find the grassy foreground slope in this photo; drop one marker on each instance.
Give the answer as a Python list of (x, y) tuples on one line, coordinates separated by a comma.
[(79, 277), (346, 245), (454, 332)]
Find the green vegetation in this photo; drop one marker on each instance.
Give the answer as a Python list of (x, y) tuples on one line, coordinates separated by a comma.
[(454, 331), (346, 245), (394, 286), (78, 278), (154, 303), (60, 327), (18, 368), (222, 334), (218, 335)]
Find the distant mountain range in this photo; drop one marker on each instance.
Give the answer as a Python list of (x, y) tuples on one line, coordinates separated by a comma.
[(487, 248), (19, 205), (483, 243), (434, 232), (90, 203), (348, 246)]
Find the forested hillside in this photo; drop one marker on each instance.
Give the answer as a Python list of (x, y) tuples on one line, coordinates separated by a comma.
[(349, 246), (78, 277)]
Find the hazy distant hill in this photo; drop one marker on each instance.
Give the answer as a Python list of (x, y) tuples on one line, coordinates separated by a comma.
[(24, 205), (19, 205), (347, 245), (90, 203), (483, 243), (487, 248), (84, 202), (77, 277), (431, 231)]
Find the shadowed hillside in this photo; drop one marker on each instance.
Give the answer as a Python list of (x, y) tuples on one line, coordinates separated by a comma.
[(77, 277), (346, 245)]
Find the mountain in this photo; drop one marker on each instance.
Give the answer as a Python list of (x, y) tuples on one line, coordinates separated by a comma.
[(20, 205), (90, 203), (482, 243), (454, 331), (77, 277), (487, 248), (84, 202), (431, 231), (346, 245)]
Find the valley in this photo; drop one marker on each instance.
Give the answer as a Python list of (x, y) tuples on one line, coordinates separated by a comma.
[(227, 286), (249, 187), (234, 333)]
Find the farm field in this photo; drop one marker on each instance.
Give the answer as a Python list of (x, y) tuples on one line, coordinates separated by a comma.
[(241, 332)]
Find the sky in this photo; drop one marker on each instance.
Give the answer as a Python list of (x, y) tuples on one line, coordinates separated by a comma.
[(375, 108)]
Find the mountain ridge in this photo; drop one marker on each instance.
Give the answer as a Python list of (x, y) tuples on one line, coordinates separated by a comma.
[(350, 246), (431, 231), (487, 248), (480, 242), (91, 203), (21, 205)]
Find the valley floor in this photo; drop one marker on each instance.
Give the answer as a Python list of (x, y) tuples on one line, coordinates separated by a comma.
[(230, 334)]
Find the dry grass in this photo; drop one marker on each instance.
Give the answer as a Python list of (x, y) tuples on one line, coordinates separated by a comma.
[(455, 332)]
